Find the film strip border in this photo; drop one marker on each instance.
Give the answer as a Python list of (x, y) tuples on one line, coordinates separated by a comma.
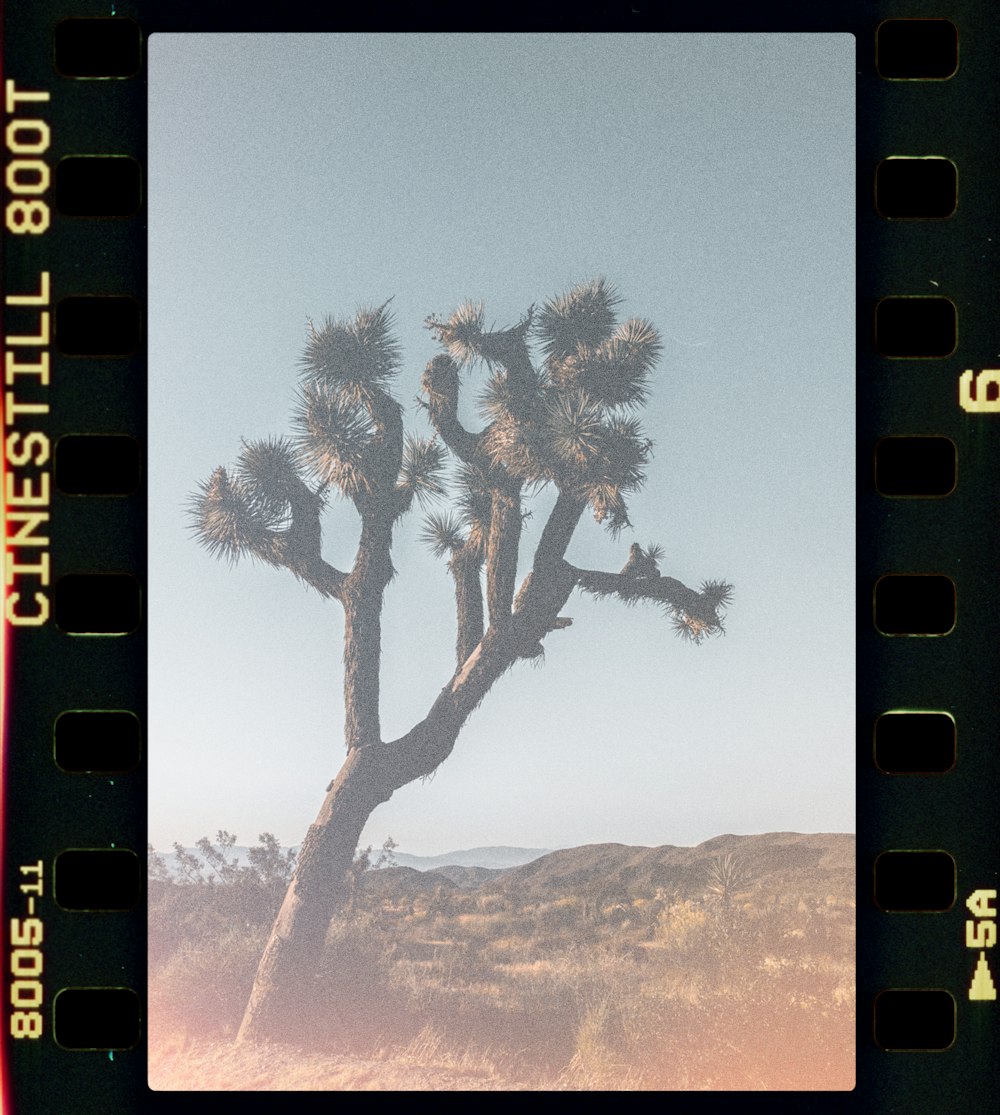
[(73, 483), (75, 435), (927, 977)]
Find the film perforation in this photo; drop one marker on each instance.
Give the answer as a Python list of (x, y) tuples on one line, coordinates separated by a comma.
[(97, 879), (916, 188), (915, 742), (98, 186), (98, 603), (917, 49), (909, 1020), (916, 327), (103, 326), (97, 47), (97, 741), (97, 464), (915, 604), (915, 881), (97, 1018), (916, 467)]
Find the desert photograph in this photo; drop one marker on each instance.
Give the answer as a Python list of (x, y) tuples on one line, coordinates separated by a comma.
[(501, 562)]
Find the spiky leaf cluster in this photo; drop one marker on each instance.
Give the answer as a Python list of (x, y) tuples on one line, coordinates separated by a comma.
[(704, 616), (602, 459), (614, 373), (268, 474), (345, 416), (575, 431), (421, 471), (442, 533), (463, 530), (583, 316), (561, 423), (353, 356), (462, 333), (335, 438), (225, 521), (474, 507), (718, 594)]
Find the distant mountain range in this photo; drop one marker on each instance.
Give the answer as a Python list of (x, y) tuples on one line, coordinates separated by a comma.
[(494, 859), (820, 862), (497, 858)]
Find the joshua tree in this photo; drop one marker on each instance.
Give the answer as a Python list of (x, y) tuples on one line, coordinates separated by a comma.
[(558, 410)]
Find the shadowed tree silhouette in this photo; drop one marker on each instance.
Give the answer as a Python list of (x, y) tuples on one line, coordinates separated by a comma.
[(562, 386)]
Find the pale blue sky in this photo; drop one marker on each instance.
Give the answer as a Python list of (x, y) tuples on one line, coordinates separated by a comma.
[(711, 179)]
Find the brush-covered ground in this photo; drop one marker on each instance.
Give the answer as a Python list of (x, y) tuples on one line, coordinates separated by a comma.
[(729, 966)]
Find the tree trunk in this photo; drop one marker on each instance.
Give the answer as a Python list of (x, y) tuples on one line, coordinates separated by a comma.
[(285, 976), (373, 770)]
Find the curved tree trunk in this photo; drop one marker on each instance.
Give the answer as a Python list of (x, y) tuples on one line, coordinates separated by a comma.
[(318, 891), (374, 770)]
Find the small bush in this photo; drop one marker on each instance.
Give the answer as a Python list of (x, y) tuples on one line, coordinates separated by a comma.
[(203, 987)]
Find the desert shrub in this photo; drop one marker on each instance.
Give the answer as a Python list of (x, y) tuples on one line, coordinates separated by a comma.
[(357, 1003), (563, 913), (184, 913), (203, 987), (679, 925)]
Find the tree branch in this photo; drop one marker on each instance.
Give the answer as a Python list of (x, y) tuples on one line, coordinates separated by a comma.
[(664, 590), (362, 594), (428, 743), (695, 614), (440, 385), (503, 544), (384, 455), (508, 348), (299, 547), (546, 588), (465, 567)]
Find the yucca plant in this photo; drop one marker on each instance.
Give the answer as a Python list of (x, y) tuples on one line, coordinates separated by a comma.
[(562, 416), (726, 875)]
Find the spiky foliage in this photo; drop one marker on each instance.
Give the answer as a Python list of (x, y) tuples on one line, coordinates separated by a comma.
[(461, 333), (334, 438), (693, 628), (345, 416), (353, 356), (422, 468), (704, 616), (615, 471), (718, 594), (616, 372), (496, 399), (442, 533), (576, 434), (517, 446), (583, 316), (224, 521), (268, 472), (655, 553), (474, 506), (726, 875)]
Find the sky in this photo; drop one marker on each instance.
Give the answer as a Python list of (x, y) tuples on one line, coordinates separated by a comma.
[(710, 178)]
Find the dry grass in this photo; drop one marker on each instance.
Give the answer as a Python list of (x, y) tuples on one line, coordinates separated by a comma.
[(658, 994), (178, 1064)]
